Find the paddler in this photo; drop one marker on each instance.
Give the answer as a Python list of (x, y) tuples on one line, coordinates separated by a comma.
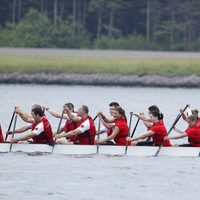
[(69, 123), (41, 131), (120, 130), (85, 127), (157, 131), (192, 132), (148, 123), (108, 127), (193, 112)]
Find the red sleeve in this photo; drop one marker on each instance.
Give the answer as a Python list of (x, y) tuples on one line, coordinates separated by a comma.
[(154, 128), (189, 131), (118, 124)]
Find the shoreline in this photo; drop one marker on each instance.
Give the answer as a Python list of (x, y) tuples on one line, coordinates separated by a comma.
[(96, 52), (103, 79)]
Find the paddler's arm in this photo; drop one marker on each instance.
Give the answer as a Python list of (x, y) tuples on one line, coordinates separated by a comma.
[(23, 138), (143, 118), (19, 130), (103, 117), (148, 124), (112, 136), (68, 134), (147, 134), (184, 117), (25, 117), (107, 125), (54, 113), (71, 115), (176, 136)]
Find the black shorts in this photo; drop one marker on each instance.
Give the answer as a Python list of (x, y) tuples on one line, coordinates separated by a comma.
[(186, 145), (145, 143), (110, 143)]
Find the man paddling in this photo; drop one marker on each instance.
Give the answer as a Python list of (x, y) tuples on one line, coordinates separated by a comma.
[(85, 130), (192, 132), (69, 124), (41, 131)]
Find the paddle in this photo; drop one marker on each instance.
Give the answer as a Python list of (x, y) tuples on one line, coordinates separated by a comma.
[(58, 130), (98, 135), (172, 127), (135, 127), (15, 121), (129, 130), (10, 124), (95, 117)]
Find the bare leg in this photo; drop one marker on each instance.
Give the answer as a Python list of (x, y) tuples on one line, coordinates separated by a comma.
[(176, 145), (66, 142), (134, 143)]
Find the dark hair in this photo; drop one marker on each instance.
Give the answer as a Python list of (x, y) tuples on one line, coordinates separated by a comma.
[(85, 108), (70, 106), (115, 104), (121, 111), (38, 111), (153, 108), (157, 114)]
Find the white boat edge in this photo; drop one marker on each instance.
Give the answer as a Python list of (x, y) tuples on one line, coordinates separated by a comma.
[(103, 150)]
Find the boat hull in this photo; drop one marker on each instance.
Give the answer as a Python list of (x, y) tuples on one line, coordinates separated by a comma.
[(103, 150)]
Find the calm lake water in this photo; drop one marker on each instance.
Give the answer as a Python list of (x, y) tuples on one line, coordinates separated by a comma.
[(53, 177)]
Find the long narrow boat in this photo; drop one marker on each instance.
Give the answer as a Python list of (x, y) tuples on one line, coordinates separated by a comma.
[(103, 150)]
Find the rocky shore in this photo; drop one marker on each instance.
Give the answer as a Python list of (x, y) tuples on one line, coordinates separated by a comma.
[(143, 80)]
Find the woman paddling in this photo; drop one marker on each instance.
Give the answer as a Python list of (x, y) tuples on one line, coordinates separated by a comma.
[(148, 123), (157, 131), (120, 130), (193, 133), (193, 112), (108, 127)]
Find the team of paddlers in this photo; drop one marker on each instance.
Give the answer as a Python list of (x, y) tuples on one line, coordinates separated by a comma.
[(80, 129)]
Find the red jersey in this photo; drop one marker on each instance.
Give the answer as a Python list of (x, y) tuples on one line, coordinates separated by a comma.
[(1, 135), (45, 136), (69, 126), (45, 117), (198, 123), (161, 122), (120, 139), (160, 132), (194, 136), (88, 131)]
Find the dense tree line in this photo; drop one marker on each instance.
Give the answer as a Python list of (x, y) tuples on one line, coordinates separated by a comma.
[(117, 24)]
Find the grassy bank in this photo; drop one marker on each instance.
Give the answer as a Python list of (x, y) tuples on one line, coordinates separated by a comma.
[(124, 65)]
